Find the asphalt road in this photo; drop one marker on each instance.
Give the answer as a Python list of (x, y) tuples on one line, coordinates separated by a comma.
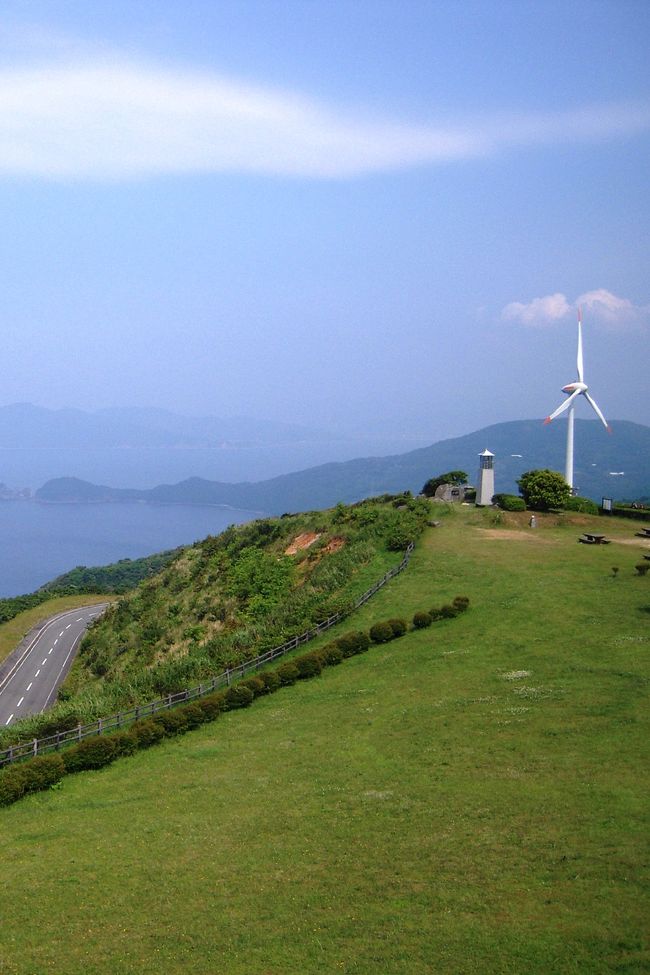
[(29, 678)]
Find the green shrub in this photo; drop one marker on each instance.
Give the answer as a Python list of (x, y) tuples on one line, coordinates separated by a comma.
[(42, 772), (12, 785), (436, 614), (309, 665), (238, 696), (448, 612), (146, 732), (381, 632), (460, 603), (332, 655), (287, 673), (213, 705), (254, 684), (92, 753), (271, 681), (584, 505), (352, 643), (509, 502), (399, 627), (421, 620), (642, 568), (172, 722), (124, 743), (193, 714)]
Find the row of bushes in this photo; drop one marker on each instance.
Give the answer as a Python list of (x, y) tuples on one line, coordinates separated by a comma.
[(44, 771)]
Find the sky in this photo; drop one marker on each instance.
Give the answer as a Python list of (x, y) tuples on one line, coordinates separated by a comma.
[(360, 215)]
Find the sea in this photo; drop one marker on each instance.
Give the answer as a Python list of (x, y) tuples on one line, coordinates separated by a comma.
[(41, 541)]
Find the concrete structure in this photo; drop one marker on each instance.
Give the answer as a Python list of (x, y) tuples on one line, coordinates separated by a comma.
[(452, 492), (485, 489)]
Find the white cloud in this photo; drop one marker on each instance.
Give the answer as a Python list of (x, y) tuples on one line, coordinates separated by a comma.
[(539, 311), (600, 306), (114, 119)]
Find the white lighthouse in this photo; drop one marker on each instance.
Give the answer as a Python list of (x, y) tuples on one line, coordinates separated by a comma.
[(485, 490)]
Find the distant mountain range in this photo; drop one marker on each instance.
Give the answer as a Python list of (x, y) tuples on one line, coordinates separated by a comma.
[(24, 425), (616, 466)]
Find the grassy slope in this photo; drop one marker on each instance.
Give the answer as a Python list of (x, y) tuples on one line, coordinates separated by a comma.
[(411, 811), (11, 633)]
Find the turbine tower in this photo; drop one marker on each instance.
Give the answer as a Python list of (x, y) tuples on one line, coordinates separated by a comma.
[(574, 390)]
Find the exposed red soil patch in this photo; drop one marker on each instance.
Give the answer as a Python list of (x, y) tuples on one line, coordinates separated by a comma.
[(301, 542)]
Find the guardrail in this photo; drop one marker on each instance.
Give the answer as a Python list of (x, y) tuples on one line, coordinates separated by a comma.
[(40, 746)]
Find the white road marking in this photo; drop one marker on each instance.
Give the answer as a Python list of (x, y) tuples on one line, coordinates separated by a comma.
[(68, 626), (56, 641), (44, 662), (37, 672), (80, 620), (61, 633), (29, 685), (50, 651), (9, 719), (20, 702)]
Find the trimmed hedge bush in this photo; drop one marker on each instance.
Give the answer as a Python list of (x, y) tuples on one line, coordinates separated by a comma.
[(381, 632), (584, 505), (255, 684), (146, 732), (92, 753), (332, 655), (509, 502), (287, 673), (460, 603), (398, 627), (309, 665), (421, 620), (352, 643), (238, 696), (12, 784), (271, 681)]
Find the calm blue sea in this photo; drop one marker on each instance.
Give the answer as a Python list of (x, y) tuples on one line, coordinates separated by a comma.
[(40, 541)]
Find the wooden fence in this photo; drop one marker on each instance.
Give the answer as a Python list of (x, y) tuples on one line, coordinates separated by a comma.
[(40, 746)]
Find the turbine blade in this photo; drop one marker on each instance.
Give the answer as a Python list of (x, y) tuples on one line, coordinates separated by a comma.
[(564, 406), (594, 405), (581, 365)]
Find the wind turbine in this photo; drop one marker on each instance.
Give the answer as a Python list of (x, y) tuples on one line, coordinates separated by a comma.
[(574, 390)]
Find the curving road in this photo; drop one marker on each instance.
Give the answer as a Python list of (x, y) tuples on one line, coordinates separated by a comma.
[(30, 677)]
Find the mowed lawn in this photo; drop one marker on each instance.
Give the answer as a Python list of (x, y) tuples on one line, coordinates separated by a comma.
[(471, 798)]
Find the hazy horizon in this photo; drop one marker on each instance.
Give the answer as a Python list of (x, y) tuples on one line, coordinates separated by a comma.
[(371, 218)]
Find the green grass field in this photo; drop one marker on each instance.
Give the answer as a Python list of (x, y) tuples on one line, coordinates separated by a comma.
[(469, 799)]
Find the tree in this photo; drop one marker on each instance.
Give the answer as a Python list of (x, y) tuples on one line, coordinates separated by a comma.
[(544, 489), (451, 477)]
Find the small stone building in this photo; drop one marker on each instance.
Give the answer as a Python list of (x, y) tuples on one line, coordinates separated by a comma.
[(453, 492)]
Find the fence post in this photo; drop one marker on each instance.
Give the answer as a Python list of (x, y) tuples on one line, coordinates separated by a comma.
[(79, 731), (11, 754), (228, 676), (35, 747), (99, 726)]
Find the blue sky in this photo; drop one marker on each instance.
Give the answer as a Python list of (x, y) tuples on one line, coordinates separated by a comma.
[(358, 215)]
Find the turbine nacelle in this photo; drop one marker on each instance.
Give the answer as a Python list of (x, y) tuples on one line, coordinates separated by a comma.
[(576, 387)]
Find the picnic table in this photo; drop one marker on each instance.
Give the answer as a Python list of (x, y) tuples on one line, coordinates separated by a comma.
[(644, 533), (594, 538)]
